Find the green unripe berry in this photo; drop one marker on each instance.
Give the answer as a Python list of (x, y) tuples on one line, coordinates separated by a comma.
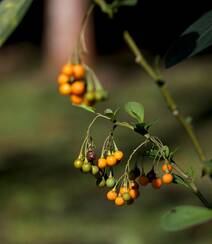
[(78, 164), (126, 196), (100, 182), (110, 182), (90, 96), (86, 167), (100, 95), (94, 170)]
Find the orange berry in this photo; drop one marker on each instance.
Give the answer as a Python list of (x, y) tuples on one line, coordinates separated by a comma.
[(133, 185), (166, 167), (111, 195), (79, 71), (76, 99), (78, 87), (119, 201), (123, 189), (167, 178), (143, 180), (157, 183), (68, 69), (118, 155), (62, 79), (102, 163), (133, 193), (65, 89), (111, 160)]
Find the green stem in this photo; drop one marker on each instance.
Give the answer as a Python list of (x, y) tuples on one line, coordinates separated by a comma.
[(171, 104), (104, 7), (192, 186)]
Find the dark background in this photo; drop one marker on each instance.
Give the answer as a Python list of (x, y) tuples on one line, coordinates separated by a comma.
[(154, 24)]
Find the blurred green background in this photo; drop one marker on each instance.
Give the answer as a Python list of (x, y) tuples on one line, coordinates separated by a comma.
[(44, 200)]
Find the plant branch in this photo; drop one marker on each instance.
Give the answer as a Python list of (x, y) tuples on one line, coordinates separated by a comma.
[(192, 186), (170, 102), (188, 180)]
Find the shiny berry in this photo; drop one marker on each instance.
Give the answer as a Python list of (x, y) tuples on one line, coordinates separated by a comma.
[(110, 182), (91, 156)]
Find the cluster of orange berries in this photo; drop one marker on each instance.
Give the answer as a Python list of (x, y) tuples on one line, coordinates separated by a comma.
[(128, 192), (126, 195), (111, 159), (73, 82), (157, 182), (125, 189)]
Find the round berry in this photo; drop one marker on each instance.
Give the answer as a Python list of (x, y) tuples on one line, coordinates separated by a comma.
[(126, 196), (151, 175), (143, 180), (62, 79), (157, 183), (78, 163), (65, 89), (68, 69), (166, 167), (110, 182), (123, 189), (111, 160), (78, 71), (86, 167), (90, 96), (91, 156), (167, 178), (76, 99), (78, 87), (119, 201), (102, 163), (111, 195), (118, 155), (134, 193), (94, 170)]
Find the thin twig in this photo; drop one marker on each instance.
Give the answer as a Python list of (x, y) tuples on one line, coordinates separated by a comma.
[(170, 102)]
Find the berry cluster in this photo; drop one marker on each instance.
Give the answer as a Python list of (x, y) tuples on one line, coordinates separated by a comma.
[(80, 83), (157, 182), (125, 189)]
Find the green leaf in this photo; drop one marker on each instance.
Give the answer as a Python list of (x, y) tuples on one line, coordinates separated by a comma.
[(11, 14), (135, 110), (193, 40), (183, 217), (109, 112)]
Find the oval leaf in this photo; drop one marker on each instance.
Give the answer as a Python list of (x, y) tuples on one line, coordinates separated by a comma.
[(135, 110), (183, 217), (11, 13), (109, 112), (193, 40)]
